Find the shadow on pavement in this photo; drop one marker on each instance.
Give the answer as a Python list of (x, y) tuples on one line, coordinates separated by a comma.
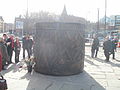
[(90, 62), (101, 61), (12, 67), (9, 68), (110, 62), (98, 59), (82, 81)]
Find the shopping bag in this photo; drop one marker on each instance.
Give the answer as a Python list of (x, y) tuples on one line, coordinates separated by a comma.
[(3, 83)]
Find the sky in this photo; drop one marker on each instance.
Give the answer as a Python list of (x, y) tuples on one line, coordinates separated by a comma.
[(88, 9)]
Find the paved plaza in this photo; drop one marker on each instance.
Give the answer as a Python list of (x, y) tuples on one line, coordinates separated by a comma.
[(97, 75)]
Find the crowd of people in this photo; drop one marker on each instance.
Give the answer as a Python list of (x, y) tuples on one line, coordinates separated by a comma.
[(10, 43), (109, 47)]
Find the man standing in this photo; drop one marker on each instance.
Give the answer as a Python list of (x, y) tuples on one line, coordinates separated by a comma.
[(95, 47), (29, 46), (24, 45), (107, 46), (10, 47), (3, 53), (113, 48)]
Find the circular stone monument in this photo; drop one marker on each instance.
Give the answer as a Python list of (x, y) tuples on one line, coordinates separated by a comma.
[(59, 48)]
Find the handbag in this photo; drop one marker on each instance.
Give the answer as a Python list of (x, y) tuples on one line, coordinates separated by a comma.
[(3, 83)]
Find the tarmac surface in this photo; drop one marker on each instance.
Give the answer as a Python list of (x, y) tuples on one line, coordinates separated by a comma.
[(97, 75)]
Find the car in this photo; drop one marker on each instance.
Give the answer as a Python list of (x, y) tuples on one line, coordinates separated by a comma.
[(86, 40)]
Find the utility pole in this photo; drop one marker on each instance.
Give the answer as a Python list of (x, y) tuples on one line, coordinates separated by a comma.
[(98, 21), (105, 13), (27, 19)]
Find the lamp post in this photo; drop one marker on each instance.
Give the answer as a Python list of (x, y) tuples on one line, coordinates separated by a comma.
[(98, 22), (26, 21), (105, 13)]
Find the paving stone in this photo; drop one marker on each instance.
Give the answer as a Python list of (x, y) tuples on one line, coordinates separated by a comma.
[(55, 86), (113, 88), (81, 87), (111, 76), (102, 82), (99, 76), (106, 69), (113, 83)]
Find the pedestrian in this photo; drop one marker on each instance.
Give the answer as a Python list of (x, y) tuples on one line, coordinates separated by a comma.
[(113, 48), (0, 60), (107, 46), (30, 45), (116, 43), (3, 53), (24, 45), (5, 37), (10, 47), (95, 47), (17, 47)]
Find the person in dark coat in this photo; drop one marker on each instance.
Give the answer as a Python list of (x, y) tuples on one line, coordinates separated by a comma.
[(10, 47), (24, 45), (113, 48), (17, 47), (107, 46), (30, 45), (95, 47), (4, 54), (5, 38), (0, 61), (116, 43)]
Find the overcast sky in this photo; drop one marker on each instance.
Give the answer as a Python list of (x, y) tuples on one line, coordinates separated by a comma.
[(10, 9)]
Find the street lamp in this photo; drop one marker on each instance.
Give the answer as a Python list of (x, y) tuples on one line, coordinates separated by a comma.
[(105, 12), (26, 21), (98, 21)]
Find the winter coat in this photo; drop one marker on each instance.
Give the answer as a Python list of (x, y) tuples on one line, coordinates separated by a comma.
[(95, 44), (11, 45), (24, 43), (0, 61), (4, 52), (30, 41), (17, 47), (107, 46)]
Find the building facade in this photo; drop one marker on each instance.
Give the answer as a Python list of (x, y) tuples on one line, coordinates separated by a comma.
[(1, 24), (8, 27), (18, 26)]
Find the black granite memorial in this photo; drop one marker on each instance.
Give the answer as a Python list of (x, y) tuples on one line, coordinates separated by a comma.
[(59, 48)]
